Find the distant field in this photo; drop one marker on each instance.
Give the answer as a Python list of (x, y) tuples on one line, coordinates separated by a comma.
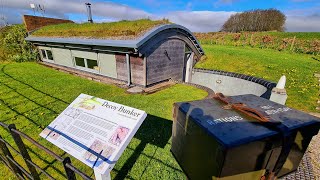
[(302, 87), (299, 42)]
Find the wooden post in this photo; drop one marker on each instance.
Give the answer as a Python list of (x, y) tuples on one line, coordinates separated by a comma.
[(250, 43), (292, 44)]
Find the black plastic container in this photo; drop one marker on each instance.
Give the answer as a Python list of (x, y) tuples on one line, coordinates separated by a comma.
[(212, 142)]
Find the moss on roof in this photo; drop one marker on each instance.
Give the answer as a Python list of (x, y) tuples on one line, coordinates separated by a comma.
[(111, 30)]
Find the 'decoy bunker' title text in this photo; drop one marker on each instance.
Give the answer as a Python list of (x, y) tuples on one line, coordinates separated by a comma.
[(121, 109)]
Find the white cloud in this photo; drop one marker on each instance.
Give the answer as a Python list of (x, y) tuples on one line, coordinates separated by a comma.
[(200, 21), (197, 21), (309, 23), (60, 8)]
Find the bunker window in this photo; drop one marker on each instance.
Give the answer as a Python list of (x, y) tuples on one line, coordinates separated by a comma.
[(79, 61), (44, 55), (49, 55), (92, 64)]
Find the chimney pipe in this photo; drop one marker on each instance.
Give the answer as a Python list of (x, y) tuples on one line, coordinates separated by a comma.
[(89, 12)]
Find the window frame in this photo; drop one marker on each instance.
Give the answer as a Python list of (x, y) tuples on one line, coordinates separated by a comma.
[(46, 58), (86, 65), (50, 53)]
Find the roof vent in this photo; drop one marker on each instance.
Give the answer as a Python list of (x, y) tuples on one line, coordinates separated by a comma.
[(89, 12)]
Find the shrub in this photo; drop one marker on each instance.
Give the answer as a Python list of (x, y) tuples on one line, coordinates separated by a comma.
[(16, 47)]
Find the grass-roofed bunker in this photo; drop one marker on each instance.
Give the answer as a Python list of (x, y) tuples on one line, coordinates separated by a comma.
[(140, 52)]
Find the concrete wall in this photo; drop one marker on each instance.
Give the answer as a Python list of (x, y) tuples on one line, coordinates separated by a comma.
[(62, 57), (65, 57), (232, 83), (108, 65), (85, 54), (165, 60)]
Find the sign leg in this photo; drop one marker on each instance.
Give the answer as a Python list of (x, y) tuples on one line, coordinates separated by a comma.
[(99, 176)]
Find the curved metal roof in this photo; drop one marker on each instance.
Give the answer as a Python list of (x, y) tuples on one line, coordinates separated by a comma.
[(120, 43)]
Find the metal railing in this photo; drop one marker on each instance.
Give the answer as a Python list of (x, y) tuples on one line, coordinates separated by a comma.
[(31, 171)]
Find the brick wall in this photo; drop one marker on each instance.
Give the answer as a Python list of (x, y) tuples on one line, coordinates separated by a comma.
[(36, 22)]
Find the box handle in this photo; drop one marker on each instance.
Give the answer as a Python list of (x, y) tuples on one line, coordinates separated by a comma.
[(241, 107)]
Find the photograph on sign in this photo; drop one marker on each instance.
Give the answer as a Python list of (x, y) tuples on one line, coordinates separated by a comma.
[(94, 130)]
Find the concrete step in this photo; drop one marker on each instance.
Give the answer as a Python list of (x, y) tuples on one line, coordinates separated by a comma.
[(158, 87), (135, 90)]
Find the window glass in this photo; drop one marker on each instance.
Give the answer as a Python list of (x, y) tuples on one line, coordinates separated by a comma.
[(49, 53), (92, 64), (80, 62), (43, 52), (187, 49)]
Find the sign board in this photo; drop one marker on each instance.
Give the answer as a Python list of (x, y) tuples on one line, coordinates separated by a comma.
[(94, 130)]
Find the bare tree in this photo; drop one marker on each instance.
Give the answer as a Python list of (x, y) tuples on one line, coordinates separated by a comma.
[(255, 20)]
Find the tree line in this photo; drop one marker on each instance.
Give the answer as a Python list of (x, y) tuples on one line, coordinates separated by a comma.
[(255, 20)]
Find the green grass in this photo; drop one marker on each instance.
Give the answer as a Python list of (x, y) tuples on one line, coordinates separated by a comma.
[(122, 29), (279, 35), (31, 96), (3, 32), (302, 87), (299, 42)]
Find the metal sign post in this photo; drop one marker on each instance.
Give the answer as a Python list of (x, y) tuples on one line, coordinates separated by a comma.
[(99, 176), (95, 131)]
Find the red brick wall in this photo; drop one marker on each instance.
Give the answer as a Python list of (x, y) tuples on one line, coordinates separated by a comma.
[(35, 22)]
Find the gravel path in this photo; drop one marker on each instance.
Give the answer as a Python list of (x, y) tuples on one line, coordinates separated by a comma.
[(309, 167), (314, 151)]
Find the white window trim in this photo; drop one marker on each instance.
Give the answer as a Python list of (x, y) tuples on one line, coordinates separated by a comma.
[(85, 63), (46, 58)]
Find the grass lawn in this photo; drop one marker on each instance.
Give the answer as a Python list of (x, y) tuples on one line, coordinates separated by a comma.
[(302, 87), (31, 96), (128, 29)]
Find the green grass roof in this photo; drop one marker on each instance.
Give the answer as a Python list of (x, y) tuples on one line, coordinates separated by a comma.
[(111, 30)]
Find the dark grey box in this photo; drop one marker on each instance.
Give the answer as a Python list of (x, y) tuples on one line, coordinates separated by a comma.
[(211, 142)]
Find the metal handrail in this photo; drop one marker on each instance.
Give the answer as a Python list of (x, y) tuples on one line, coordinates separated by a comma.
[(66, 161)]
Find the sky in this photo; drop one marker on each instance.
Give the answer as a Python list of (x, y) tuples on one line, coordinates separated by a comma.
[(196, 15)]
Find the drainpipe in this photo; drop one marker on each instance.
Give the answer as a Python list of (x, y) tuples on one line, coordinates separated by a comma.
[(129, 69)]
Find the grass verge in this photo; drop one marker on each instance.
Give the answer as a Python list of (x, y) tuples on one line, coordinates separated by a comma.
[(302, 87), (31, 96)]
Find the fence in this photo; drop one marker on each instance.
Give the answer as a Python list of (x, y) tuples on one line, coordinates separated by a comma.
[(31, 171)]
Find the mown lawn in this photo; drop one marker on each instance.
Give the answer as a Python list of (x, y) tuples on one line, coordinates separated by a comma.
[(302, 87), (31, 96)]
